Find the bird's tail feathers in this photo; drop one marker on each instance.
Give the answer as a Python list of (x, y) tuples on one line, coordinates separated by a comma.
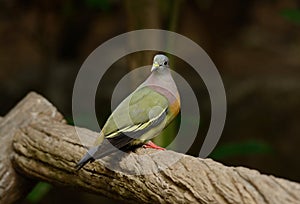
[(103, 150), (87, 158)]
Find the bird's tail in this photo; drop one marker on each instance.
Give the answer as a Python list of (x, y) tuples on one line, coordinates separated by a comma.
[(87, 158), (97, 153)]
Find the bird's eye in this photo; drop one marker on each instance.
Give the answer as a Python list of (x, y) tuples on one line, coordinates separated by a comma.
[(165, 63)]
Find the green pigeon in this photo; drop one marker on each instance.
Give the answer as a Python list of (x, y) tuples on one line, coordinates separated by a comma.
[(141, 116)]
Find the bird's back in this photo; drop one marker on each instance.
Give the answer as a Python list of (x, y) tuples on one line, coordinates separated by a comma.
[(135, 110)]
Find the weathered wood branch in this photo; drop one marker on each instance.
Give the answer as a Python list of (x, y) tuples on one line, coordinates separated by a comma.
[(12, 185), (46, 148)]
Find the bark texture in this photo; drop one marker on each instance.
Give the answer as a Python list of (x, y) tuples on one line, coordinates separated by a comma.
[(46, 148), (12, 185)]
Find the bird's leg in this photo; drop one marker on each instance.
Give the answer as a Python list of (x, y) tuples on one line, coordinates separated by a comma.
[(150, 144)]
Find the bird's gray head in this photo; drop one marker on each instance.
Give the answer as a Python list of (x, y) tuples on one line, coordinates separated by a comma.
[(160, 62)]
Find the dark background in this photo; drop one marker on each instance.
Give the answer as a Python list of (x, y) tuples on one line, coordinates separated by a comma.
[(255, 44)]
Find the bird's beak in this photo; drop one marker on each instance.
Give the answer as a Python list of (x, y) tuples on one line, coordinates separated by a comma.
[(154, 66)]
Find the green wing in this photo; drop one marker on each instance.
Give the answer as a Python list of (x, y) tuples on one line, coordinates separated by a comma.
[(140, 113), (136, 112)]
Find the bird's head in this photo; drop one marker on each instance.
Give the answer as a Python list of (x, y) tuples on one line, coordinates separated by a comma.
[(160, 62)]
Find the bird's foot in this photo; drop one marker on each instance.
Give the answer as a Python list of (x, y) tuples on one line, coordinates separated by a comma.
[(153, 146)]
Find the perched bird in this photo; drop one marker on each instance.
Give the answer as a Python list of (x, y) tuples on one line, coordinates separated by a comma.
[(141, 116)]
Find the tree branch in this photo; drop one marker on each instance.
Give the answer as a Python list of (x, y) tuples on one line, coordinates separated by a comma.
[(47, 149), (12, 185)]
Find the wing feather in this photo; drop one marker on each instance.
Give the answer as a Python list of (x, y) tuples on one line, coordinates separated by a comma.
[(130, 120), (123, 138), (133, 112)]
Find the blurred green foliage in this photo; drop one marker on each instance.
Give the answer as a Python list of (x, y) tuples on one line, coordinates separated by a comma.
[(69, 120), (250, 147), (103, 5), (38, 192), (292, 15)]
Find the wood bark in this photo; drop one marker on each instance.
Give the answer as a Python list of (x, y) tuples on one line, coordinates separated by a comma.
[(12, 185), (45, 148)]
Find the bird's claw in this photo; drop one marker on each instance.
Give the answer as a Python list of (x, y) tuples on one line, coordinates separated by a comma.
[(152, 146)]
